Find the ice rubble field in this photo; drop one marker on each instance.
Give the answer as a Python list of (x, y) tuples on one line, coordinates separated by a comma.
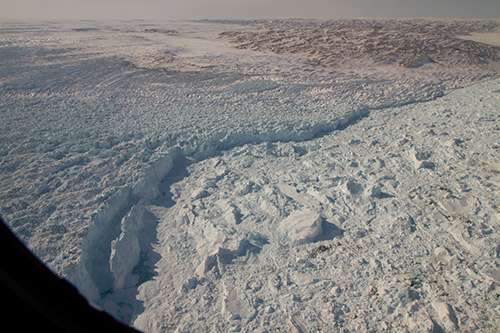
[(390, 224), (221, 176)]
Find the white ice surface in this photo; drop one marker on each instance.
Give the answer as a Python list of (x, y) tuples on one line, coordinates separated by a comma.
[(344, 232), (98, 120)]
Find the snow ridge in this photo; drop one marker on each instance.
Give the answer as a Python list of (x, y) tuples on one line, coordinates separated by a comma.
[(93, 275)]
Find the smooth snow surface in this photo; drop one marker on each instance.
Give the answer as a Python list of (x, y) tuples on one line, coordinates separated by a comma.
[(274, 175)]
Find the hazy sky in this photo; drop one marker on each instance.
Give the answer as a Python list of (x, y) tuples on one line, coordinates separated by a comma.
[(179, 9)]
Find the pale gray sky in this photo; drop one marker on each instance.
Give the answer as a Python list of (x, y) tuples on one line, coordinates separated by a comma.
[(180, 9)]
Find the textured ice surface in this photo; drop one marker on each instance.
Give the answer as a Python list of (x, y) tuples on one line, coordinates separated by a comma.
[(99, 121), (344, 232)]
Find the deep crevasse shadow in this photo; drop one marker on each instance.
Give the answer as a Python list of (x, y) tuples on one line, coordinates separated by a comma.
[(123, 303)]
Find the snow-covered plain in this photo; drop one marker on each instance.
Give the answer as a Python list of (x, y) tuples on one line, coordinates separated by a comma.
[(220, 175)]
